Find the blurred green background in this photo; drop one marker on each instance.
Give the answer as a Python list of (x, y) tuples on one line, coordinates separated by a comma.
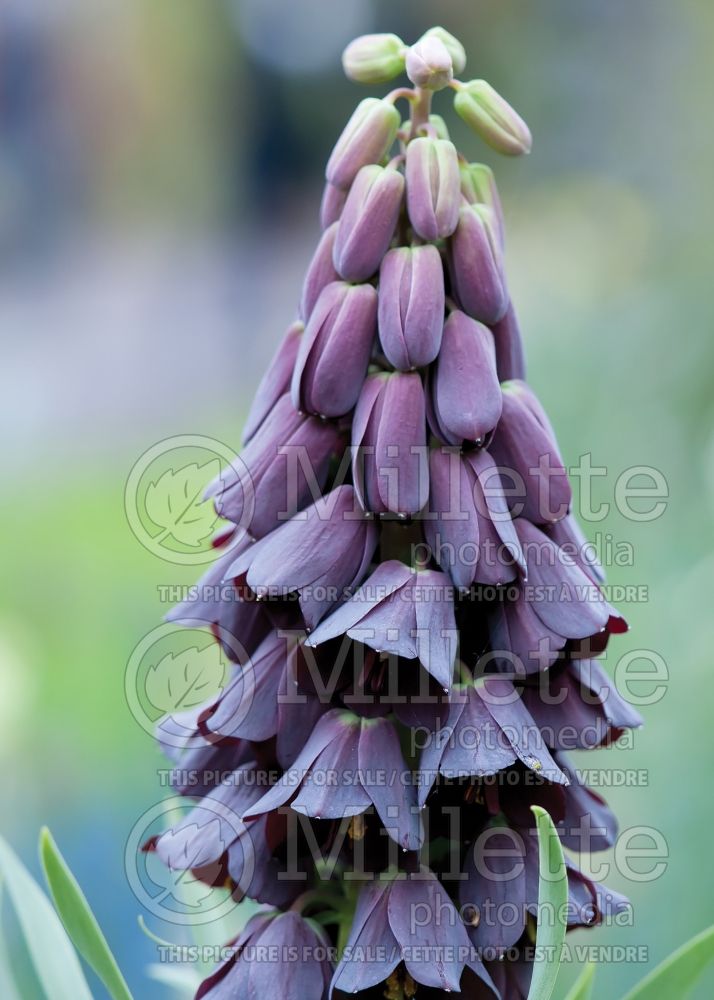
[(160, 175)]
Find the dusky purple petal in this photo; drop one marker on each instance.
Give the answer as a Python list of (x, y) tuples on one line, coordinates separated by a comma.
[(510, 358), (372, 952), (368, 221), (411, 306), (320, 273), (477, 267), (495, 889), (391, 791)]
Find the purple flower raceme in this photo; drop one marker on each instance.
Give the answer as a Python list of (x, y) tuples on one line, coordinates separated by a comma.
[(413, 625)]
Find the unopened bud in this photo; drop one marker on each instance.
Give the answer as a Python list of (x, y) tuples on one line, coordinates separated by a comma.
[(476, 265), (368, 221), (411, 306), (366, 138), (333, 201), (493, 118), (429, 64), (478, 186), (374, 58), (439, 125), (433, 187), (454, 46)]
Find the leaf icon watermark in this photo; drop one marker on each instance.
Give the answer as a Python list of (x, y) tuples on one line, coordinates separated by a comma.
[(182, 680), (175, 503), (164, 497)]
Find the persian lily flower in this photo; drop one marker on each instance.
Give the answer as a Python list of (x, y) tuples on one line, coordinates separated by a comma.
[(403, 611), (301, 969), (579, 707), (500, 890), (240, 625), (320, 554), (260, 700), (368, 221), (335, 349), (476, 265), (468, 526), (332, 204), (478, 186), (389, 453), (433, 187), (487, 730), (465, 398), (276, 381), (272, 477), (524, 447), (390, 926), (348, 765), (558, 603), (411, 306), (213, 841)]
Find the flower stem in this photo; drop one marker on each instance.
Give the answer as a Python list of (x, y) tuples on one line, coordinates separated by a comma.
[(421, 109)]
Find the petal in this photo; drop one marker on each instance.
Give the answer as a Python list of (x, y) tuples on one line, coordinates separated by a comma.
[(390, 788)]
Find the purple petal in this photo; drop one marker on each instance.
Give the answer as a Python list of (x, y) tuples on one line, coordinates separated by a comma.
[(368, 221), (411, 306), (477, 266), (433, 187), (393, 795), (275, 382), (320, 273)]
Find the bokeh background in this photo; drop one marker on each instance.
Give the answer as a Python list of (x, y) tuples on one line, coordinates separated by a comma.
[(160, 174)]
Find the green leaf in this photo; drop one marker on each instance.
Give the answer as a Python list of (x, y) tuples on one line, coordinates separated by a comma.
[(677, 974), (51, 951), (583, 988), (552, 903), (78, 919), (8, 990)]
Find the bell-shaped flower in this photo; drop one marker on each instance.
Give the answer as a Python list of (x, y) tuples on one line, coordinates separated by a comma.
[(368, 222), (433, 187), (334, 350), (487, 730), (389, 452), (579, 707), (467, 524), (320, 554), (525, 450), (348, 765), (275, 474), (411, 306), (465, 398), (476, 265), (403, 611), (407, 918), (276, 955), (557, 603)]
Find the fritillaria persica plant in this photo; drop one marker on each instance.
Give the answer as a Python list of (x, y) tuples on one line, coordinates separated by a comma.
[(418, 623)]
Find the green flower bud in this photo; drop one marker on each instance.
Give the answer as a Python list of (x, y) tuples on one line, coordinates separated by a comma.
[(456, 49), (439, 125), (429, 65), (374, 58), (478, 186), (493, 118)]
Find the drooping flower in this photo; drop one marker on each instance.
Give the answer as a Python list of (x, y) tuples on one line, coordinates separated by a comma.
[(300, 968)]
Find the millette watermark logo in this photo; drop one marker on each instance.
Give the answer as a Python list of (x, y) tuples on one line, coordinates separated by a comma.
[(166, 501)]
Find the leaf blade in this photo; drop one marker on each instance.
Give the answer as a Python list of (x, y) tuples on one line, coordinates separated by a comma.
[(678, 973), (78, 919), (553, 894), (583, 986), (51, 951)]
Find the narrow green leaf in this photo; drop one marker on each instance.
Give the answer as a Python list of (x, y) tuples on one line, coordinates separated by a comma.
[(8, 990), (51, 951), (583, 988), (677, 974), (552, 903), (78, 919)]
